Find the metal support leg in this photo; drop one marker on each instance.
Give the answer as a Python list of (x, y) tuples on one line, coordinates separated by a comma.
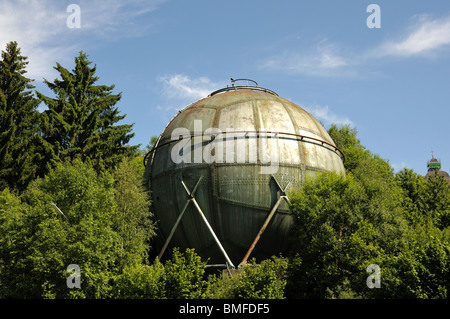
[(267, 221), (191, 195), (192, 199), (173, 229), (212, 233)]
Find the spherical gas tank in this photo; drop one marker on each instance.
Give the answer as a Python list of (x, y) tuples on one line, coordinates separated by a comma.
[(230, 156)]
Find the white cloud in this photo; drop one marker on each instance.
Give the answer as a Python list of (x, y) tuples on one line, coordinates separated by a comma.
[(181, 90), (33, 24), (425, 36), (323, 61), (182, 87), (117, 18), (327, 116), (41, 31)]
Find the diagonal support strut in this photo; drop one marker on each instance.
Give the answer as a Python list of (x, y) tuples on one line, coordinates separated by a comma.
[(283, 196), (191, 195), (205, 220)]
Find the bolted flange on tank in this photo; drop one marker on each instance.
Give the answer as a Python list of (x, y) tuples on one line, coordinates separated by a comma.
[(219, 173)]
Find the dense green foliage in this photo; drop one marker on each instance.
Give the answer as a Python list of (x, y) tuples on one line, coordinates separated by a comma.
[(344, 223), (71, 192), (184, 277), (103, 225), (181, 277), (254, 281), (341, 228)]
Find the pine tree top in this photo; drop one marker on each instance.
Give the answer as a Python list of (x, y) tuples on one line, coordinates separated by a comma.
[(18, 121), (81, 117)]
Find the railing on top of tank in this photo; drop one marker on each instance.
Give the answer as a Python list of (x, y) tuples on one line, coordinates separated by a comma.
[(235, 87), (243, 87), (297, 137)]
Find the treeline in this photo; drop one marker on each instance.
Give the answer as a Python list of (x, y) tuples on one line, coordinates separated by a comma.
[(371, 216), (72, 192), (80, 121)]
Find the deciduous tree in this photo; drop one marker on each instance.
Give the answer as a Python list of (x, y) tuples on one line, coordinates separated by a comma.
[(73, 215)]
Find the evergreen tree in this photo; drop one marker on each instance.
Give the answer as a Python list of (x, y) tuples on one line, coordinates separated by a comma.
[(81, 120), (18, 122)]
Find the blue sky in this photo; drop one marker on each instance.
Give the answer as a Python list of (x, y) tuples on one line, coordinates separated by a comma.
[(390, 83)]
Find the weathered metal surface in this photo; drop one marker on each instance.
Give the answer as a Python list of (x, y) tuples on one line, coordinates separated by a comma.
[(237, 195), (282, 195)]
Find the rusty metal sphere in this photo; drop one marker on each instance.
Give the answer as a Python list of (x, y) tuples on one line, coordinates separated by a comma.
[(273, 145)]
